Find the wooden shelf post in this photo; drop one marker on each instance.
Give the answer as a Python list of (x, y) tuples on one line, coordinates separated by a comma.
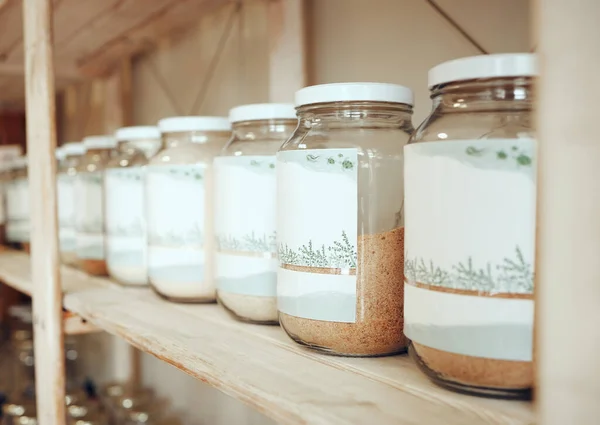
[(41, 142), (568, 270)]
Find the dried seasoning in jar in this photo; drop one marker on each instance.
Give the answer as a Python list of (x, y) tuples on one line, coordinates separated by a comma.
[(65, 182), (180, 208), (245, 210), (89, 212), (124, 204), (470, 227), (340, 219)]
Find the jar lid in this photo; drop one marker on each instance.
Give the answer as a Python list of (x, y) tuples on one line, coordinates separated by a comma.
[(73, 148), (344, 92), (262, 111), (99, 142), (177, 124), (484, 66), (137, 133)]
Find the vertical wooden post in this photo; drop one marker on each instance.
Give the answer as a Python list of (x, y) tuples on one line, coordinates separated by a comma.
[(41, 142), (568, 270), (288, 58)]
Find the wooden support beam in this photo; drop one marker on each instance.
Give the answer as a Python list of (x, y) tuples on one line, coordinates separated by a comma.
[(567, 269), (64, 72), (41, 142), (288, 58)]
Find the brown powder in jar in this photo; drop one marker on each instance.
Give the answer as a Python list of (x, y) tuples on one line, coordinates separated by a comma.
[(93, 267), (379, 303), (476, 371)]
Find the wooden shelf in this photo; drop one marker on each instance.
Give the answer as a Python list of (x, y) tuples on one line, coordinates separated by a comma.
[(262, 367)]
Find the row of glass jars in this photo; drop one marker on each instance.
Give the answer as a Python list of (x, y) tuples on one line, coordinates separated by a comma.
[(324, 219)]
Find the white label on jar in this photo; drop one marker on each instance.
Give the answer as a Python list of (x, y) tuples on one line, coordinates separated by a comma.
[(66, 212), (317, 217), (17, 194), (245, 225), (89, 215), (469, 246), (125, 228), (177, 207)]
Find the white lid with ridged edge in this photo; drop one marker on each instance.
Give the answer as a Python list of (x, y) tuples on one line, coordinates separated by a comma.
[(347, 92), (484, 66), (138, 132), (73, 148), (262, 111), (99, 142), (179, 124)]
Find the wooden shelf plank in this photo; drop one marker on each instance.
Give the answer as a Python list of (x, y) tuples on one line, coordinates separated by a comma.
[(260, 365)]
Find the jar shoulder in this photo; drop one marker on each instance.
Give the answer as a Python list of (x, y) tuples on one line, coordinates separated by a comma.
[(236, 147)]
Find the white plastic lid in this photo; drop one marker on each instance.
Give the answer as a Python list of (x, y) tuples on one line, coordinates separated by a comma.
[(344, 92), (262, 111), (137, 133), (73, 148), (177, 124), (484, 66), (99, 142)]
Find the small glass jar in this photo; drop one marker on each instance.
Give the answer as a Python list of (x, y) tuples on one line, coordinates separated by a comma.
[(5, 178), (17, 208), (124, 204), (340, 219), (65, 182), (179, 208), (470, 227), (245, 211), (19, 413), (89, 213)]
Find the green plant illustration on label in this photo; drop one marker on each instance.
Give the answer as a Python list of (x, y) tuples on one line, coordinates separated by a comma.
[(511, 275), (340, 254), (90, 226), (172, 238), (333, 160), (514, 153), (92, 178), (270, 164), (133, 174), (248, 243), (184, 172), (133, 229)]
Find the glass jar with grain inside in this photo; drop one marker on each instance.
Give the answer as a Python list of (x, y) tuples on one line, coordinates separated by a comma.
[(17, 204), (65, 182), (245, 210), (340, 219), (470, 227), (124, 204), (89, 213), (180, 210)]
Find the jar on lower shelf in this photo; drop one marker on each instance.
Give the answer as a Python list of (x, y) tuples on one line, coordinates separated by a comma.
[(17, 204), (340, 219), (245, 211), (470, 190)]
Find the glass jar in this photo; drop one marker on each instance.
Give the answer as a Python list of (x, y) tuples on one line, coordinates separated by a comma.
[(19, 412), (17, 208), (340, 219), (470, 227), (65, 179), (5, 178), (89, 214), (245, 211), (179, 208), (124, 204)]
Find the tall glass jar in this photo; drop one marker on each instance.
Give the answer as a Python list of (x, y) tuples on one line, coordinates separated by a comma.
[(124, 204), (5, 178), (245, 210), (89, 214), (66, 201), (470, 227), (179, 208), (17, 204), (340, 219)]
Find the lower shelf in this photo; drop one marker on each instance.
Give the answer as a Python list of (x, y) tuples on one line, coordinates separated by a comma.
[(262, 367)]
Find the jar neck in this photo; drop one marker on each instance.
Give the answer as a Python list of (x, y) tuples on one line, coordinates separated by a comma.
[(264, 130), (356, 114), (192, 138), (490, 95)]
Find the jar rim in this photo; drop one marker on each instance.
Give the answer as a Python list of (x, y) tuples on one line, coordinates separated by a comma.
[(354, 92)]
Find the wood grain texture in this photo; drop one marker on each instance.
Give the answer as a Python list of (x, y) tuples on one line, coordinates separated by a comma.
[(567, 267)]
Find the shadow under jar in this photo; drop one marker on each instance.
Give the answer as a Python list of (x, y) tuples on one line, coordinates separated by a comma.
[(65, 185), (179, 208), (340, 219), (124, 204), (245, 210), (470, 227), (89, 213)]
